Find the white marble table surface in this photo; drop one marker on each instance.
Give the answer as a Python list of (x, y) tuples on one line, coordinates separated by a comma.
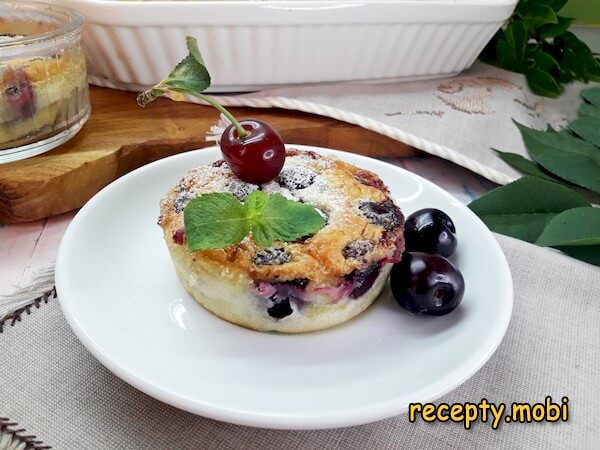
[(29, 247)]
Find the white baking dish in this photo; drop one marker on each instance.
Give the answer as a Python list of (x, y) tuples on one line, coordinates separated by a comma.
[(251, 45)]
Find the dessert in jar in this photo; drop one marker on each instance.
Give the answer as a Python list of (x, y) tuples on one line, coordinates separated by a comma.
[(44, 96)]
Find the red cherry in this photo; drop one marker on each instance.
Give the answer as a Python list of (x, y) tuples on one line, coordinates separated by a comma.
[(256, 158), (19, 95)]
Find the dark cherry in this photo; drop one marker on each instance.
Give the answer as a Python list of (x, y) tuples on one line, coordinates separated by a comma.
[(385, 213), (280, 309), (19, 95), (363, 280), (272, 256), (296, 178), (257, 158), (427, 284), (179, 236), (430, 231), (357, 249)]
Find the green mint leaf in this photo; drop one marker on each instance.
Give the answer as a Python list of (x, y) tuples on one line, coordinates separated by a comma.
[(555, 29), (190, 76), (538, 15), (214, 221), (589, 254), (587, 128), (524, 165), (591, 95), (255, 203), (542, 83), (589, 110), (574, 227), (567, 157), (522, 208), (281, 219)]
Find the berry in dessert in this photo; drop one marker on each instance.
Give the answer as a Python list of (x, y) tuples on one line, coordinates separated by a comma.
[(303, 282)]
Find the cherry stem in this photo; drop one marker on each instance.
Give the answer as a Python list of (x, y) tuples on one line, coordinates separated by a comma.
[(242, 133)]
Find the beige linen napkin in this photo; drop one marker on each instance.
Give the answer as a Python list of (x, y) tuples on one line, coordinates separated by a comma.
[(55, 389), (459, 119)]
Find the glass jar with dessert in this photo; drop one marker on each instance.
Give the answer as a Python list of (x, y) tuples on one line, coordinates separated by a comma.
[(44, 98)]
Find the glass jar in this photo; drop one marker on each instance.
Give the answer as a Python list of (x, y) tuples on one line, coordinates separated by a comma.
[(44, 99)]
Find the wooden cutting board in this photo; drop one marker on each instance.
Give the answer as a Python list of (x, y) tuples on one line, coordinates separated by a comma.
[(120, 136)]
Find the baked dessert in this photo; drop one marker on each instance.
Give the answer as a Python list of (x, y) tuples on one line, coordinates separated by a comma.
[(309, 284), (41, 96)]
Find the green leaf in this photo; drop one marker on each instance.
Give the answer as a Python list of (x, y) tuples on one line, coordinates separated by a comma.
[(193, 50), (567, 61), (594, 69), (522, 208), (214, 221), (543, 60), (591, 95), (281, 219), (524, 165), (516, 36), (538, 15), (506, 56), (589, 254), (555, 29), (574, 227), (190, 76), (565, 156), (588, 110), (542, 83), (255, 203), (556, 5), (582, 65), (587, 128)]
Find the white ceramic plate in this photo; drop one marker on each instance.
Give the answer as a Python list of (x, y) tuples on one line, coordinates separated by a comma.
[(120, 294)]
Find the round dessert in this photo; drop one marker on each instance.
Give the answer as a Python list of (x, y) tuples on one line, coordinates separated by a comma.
[(310, 284)]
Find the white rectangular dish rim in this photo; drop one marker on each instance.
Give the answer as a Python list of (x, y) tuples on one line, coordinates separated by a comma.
[(290, 12), (255, 45)]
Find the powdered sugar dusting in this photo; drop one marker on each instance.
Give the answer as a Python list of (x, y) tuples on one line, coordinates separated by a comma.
[(309, 182), (304, 178), (240, 189), (272, 187), (210, 179), (296, 177)]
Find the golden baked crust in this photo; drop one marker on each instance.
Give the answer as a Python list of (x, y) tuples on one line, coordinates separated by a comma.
[(364, 226), (37, 70)]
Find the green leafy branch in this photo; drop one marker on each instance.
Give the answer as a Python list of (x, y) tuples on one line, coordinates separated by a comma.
[(189, 77), (537, 43), (543, 207)]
